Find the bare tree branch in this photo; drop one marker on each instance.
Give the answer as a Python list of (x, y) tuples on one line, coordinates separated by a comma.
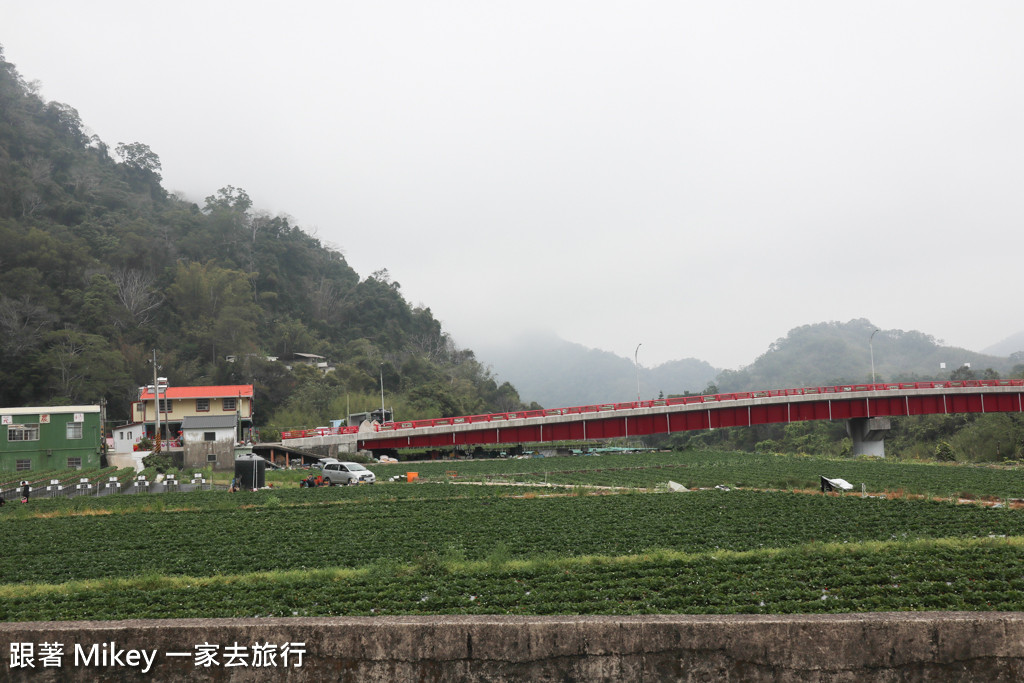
[(22, 324), (135, 292)]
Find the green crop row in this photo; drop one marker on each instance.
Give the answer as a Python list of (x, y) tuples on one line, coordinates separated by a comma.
[(365, 530), (220, 499), (10, 480), (704, 468), (924, 575), (434, 548)]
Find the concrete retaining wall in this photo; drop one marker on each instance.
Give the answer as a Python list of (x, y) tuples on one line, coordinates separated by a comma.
[(879, 647)]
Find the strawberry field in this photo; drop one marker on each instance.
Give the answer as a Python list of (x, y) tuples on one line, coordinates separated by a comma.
[(965, 575), (400, 548), (694, 468)]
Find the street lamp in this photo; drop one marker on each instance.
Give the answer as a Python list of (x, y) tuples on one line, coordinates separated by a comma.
[(382, 420), (637, 365), (872, 349)]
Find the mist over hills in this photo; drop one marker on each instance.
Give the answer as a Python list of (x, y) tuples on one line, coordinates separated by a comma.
[(104, 266), (103, 269), (554, 372), (561, 373), (1007, 347)]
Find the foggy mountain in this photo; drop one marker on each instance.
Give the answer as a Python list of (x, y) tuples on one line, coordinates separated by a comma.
[(1009, 346), (556, 373)]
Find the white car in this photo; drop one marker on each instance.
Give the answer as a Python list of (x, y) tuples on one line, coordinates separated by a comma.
[(346, 473)]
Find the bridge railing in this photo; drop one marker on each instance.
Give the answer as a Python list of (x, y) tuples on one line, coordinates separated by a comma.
[(661, 402), (319, 431)]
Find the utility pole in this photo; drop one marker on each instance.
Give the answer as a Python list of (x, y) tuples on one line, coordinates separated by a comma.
[(103, 425), (871, 348), (382, 418), (637, 365), (156, 404)]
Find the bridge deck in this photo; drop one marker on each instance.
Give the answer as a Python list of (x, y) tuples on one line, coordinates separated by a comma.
[(615, 420)]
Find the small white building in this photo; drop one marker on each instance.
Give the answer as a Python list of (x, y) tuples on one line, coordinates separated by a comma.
[(123, 451), (127, 437)]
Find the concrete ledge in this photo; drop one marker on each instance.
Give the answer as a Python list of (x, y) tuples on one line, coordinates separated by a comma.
[(940, 646)]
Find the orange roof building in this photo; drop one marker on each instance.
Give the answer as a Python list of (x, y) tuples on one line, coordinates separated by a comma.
[(177, 403)]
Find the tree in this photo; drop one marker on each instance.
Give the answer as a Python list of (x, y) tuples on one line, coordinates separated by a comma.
[(505, 399), (944, 452), (139, 157), (228, 198), (289, 336), (23, 323), (325, 300), (214, 306), (98, 311), (230, 225), (137, 295), (963, 372), (435, 400), (67, 122), (82, 368)]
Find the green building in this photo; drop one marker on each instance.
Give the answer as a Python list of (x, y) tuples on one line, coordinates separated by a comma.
[(51, 438)]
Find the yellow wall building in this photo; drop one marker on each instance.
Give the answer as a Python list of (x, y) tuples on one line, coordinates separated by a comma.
[(177, 403)]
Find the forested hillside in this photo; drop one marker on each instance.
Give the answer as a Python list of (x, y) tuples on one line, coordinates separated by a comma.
[(833, 353), (101, 265)]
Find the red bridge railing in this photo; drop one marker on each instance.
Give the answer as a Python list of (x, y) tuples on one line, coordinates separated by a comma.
[(679, 400), (319, 431)]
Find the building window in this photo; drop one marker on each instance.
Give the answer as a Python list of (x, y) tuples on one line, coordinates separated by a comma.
[(211, 457), (26, 432), (202, 405), (75, 463), (209, 436), (165, 405), (22, 465), (74, 430), (230, 404)]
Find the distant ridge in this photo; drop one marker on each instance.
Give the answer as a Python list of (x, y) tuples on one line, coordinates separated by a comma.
[(1007, 347), (557, 373), (554, 372)]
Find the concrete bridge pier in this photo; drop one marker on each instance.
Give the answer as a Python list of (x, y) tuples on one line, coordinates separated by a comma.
[(868, 434)]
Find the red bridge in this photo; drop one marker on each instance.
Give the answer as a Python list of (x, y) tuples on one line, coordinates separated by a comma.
[(866, 407)]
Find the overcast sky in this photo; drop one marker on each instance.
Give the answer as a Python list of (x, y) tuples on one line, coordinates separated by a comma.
[(697, 177)]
